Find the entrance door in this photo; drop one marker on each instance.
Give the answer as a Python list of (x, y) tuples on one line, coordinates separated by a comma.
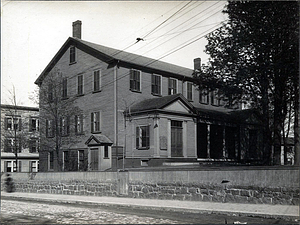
[(94, 159), (176, 138)]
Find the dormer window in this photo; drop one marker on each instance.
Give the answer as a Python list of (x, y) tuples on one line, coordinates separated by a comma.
[(72, 54)]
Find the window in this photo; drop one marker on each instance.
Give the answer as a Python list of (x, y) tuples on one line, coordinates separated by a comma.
[(66, 160), (7, 165), (156, 84), (172, 86), (97, 80), (203, 96), (11, 145), (33, 166), (33, 124), (65, 88), (95, 122), (142, 137), (81, 160), (135, 80), (215, 98), (79, 124), (72, 54), (50, 93), (13, 123), (64, 126), (33, 145), (51, 160), (80, 85), (106, 151), (49, 128), (189, 91)]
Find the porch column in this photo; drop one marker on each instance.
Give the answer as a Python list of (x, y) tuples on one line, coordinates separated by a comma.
[(169, 138), (184, 139), (156, 138), (208, 140)]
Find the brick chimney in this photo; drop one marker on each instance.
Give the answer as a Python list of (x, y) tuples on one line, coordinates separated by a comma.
[(77, 29), (197, 64)]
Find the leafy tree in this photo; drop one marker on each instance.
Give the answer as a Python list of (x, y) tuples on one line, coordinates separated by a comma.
[(255, 59), (57, 117)]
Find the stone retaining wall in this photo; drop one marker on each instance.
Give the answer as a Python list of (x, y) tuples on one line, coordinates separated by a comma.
[(215, 193), (237, 185)]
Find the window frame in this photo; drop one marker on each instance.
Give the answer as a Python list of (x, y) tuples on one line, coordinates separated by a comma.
[(97, 82), (214, 98), (142, 138), (204, 94), (80, 85), (37, 124), (13, 126), (106, 152), (64, 88), (156, 82), (134, 82), (50, 128), (171, 82), (64, 125), (81, 167), (78, 124), (96, 123), (189, 93), (72, 54)]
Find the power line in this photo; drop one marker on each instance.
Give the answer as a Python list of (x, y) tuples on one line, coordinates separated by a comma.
[(166, 19)]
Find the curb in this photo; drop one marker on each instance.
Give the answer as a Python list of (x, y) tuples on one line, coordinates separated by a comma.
[(165, 208)]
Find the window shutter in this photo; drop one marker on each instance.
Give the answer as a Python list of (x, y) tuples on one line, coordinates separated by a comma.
[(47, 127), (20, 124), (30, 123), (68, 125), (6, 145), (92, 122), (81, 123), (20, 166), (137, 137), (5, 123), (60, 126), (52, 128), (76, 121), (147, 136)]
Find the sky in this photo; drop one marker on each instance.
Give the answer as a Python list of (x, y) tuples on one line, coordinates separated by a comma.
[(33, 32)]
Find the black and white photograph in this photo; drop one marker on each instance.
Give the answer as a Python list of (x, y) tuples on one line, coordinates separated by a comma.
[(150, 112)]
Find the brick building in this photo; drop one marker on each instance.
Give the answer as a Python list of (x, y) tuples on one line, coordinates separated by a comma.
[(147, 110), (19, 134)]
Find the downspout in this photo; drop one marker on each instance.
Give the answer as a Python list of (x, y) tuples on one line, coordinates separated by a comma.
[(116, 110)]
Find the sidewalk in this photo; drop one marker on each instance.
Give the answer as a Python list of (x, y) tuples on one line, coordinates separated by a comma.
[(258, 210)]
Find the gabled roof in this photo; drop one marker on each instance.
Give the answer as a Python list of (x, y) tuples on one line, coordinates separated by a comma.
[(160, 103), (124, 59), (98, 139)]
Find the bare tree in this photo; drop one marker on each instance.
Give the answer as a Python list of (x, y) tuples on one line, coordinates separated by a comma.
[(13, 136), (59, 117)]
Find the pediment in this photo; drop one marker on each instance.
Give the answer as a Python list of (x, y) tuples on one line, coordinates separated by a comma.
[(99, 139), (178, 106)]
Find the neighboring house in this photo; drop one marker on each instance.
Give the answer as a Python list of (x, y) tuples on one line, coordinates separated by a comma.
[(19, 134), (147, 109)]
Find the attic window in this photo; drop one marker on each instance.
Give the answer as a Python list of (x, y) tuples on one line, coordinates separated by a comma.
[(72, 54)]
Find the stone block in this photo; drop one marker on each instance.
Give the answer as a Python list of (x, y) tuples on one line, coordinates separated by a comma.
[(245, 193), (217, 198), (145, 190), (257, 194), (296, 201), (229, 198), (179, 197), (235, 192), (193, 190), (240, 199), (254, 200), (206, 198), (204, 191), (267, 200)]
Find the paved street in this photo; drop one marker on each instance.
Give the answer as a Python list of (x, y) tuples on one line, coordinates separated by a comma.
[(41, 213)]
